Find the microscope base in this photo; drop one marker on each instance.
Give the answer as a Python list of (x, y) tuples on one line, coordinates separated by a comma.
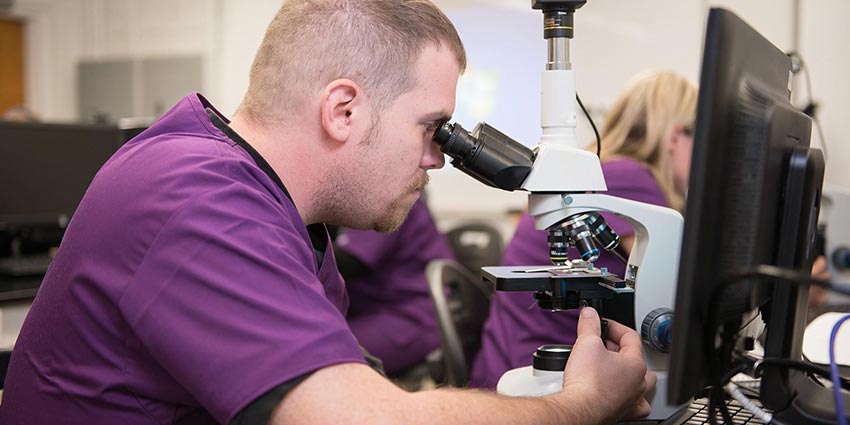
[(528, 382)]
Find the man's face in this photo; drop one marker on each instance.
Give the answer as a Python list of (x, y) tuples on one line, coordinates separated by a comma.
[(392, 165)]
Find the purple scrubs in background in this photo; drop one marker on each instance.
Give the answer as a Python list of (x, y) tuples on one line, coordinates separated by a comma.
[(186, 287), (516, 326), (390, 312)]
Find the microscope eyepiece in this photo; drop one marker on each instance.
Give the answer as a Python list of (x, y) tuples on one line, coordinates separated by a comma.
[(443, 133), (486, 154), (456, 142)]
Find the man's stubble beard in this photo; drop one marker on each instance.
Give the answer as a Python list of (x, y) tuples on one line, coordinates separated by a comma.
[(344, 203), (398, 210)]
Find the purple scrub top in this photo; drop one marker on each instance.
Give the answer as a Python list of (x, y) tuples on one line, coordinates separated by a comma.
[(186, 287), (516, 326), (391, 313)]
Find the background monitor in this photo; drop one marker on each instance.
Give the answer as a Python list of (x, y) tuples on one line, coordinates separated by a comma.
[(46, 168), (753, 199)]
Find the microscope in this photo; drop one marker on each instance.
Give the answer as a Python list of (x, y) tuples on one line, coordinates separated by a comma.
[(564, 182)]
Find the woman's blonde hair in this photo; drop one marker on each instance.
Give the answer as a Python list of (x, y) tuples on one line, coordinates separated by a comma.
[(375, 43), (640, 123)]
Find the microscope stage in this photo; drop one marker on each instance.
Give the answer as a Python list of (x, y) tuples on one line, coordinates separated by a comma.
[(540, 278)]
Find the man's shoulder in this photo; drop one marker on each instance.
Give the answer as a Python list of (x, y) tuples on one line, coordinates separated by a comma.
[(188, 156)]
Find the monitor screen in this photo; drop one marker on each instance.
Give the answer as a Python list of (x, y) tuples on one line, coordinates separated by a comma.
[(46, 169), (753, 198)]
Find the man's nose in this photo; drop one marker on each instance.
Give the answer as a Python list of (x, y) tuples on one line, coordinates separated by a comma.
[(433, 158)]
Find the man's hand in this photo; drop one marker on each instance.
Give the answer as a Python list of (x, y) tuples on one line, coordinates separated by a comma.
[(611, 376), (818, 296)]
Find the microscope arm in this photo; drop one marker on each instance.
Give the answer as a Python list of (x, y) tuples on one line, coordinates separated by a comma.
[(652, 265), (654, 260)]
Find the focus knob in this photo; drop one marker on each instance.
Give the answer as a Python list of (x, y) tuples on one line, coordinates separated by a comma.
[(657, 329)]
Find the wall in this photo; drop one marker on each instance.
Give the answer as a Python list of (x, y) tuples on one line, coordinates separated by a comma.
[(822, 38), (615, 40), (60, 33)]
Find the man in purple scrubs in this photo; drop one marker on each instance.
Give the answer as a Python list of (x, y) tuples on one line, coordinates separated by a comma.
[(390, 311), (196, 284)]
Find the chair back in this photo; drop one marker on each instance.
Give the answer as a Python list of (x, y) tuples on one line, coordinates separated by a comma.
[(462, 303), (476, 245), (5, 356)]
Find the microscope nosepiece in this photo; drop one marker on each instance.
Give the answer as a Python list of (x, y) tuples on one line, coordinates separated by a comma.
[(559, 244), (604, 234), (587, 249)]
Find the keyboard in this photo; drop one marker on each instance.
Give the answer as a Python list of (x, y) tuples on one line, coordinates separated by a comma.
[(26, 265), (697, 413)]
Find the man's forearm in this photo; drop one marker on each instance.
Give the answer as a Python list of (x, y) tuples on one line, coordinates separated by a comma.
[(354, 394), (470, 406)]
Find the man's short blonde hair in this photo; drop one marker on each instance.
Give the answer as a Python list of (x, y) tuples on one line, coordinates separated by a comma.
[(375, 43)]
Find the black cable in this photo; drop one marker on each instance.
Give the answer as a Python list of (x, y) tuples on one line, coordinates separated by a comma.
[(811, 106), (593, 125), (790, 276), (717, 393), (762, 272), (758, 272), (752, 319), (728, 378), (716, 361), (822, 139), (794, 364)]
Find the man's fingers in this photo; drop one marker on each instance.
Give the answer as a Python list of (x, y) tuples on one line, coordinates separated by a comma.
[(651, 379), (588, 323), (820, 269), (641, 410), (616, 330), (626, 338)]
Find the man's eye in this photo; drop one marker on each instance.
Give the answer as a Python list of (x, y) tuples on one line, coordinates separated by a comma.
[(431, 127)]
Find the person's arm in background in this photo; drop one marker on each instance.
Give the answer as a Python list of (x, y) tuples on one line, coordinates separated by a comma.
[(601, 385)]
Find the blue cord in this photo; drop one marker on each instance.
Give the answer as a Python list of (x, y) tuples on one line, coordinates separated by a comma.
[(833, 367)]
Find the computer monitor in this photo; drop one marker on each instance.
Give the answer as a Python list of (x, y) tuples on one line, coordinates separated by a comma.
[(753, 199), (46, 168), (131, 127)]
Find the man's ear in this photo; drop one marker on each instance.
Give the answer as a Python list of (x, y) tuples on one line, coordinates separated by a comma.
[(342, 107)]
